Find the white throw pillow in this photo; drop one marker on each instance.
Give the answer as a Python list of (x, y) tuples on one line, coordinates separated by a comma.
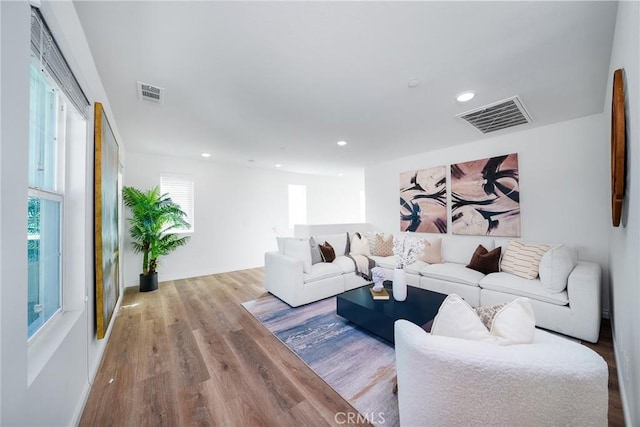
[(523, 259), (555, 267), (456, 319), (359, 246), (299, 249), (514, 323)]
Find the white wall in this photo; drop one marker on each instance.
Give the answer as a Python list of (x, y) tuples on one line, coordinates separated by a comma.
[(564, 184), (45, 383), (236, 211), (624, 241)]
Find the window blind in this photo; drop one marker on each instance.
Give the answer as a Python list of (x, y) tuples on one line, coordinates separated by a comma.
[(47, 52), (180, 189)]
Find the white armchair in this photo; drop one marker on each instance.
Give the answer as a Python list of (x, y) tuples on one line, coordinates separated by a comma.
[(453, 382)]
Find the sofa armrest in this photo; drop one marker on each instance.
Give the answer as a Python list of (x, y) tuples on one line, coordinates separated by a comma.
[(283, 277), (583, 289)]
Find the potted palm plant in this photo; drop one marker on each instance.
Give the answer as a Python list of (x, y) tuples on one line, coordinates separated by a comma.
[(153, 216)]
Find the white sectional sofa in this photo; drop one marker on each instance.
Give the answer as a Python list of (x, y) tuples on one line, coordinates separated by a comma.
[(574, 311)]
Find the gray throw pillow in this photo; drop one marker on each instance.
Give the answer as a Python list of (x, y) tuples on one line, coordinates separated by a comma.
[(316, 256)]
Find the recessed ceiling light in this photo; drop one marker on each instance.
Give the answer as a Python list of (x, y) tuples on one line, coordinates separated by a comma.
[(278, 165), (414, 83), (466, 96), (340, 174), (342, 143), (205, 155)]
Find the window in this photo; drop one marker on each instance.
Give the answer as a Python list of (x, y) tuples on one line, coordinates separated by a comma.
[(180, 189), (53, 120), (297, 205), (45, 202)]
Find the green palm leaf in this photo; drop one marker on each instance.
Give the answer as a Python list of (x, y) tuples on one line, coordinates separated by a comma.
[(153, 216)]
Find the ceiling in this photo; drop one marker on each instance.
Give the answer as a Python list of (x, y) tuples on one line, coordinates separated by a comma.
[(260, 83)]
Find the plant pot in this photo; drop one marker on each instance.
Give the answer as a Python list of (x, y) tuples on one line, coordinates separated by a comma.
[(399, 285), (148, 282)]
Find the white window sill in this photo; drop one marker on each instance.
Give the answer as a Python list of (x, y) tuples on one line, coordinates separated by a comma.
[(42, 348)]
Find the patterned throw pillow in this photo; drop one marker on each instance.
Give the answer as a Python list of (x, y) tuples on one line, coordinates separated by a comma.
[(328, 254), (523, 259), (383, 247), (486, 314), (484, 261)]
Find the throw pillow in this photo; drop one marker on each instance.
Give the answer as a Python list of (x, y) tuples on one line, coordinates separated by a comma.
[(339, 242), (328, 254), (316, 256), (484, 261), (383, 247), (488, 313), (359, 245), (514, 323), (555, 267), (299, 249), (432, 251), (456, 319), (523, 259)]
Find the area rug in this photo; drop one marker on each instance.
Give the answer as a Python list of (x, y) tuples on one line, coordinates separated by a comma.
[(356, 364)]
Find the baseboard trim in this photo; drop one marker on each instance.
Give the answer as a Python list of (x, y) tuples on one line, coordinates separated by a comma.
[(626, 409), (191, 275)]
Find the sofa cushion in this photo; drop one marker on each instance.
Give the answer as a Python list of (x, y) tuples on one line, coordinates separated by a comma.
[(432, 251), (452, 272), (383, 247), (460, 249), (415, 267), (321, 271), (523, 259), (388, 262), (485, 261), (338, 241), (299, 249), (359, 245), (514, 285), (327, 251), (316, 256), (555, 266), (345, 263)]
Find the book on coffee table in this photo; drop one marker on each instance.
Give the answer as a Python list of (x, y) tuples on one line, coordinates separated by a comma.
[(381, 295)]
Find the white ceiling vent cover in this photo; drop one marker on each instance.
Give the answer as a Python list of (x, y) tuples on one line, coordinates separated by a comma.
[(150, 93), (497, 116)]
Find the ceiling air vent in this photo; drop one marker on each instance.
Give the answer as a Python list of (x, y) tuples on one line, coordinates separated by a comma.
[(499, 115), (150, 93)]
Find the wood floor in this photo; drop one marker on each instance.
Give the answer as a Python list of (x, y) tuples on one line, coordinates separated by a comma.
[(190, 355)]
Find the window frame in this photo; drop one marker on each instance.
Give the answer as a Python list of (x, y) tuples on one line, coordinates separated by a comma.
[(192, 191)]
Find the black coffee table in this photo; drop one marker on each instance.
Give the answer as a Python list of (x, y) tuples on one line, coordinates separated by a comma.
[(378, 316)]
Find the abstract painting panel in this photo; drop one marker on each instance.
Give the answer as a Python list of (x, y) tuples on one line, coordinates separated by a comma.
[(106, 203), (485, 197), (423, 200)]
